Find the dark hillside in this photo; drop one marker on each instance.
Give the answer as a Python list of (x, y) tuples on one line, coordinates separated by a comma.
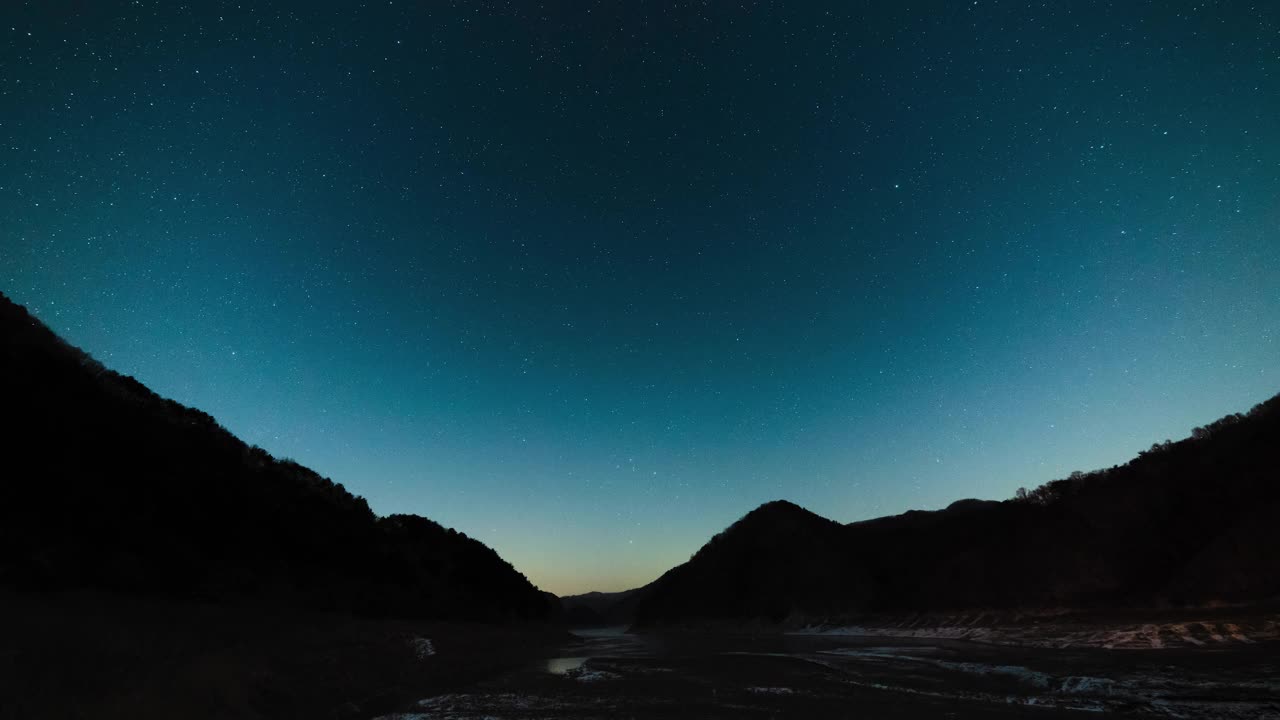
[(601, 609), (1185, 523), (778, 561), (106, 485)]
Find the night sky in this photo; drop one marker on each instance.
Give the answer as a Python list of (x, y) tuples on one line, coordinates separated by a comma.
[(589, 281)]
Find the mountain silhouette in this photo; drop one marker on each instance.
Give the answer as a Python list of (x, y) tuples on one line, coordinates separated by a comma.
[(757, 568), (601, 609), (1186, 523), (107, 486)]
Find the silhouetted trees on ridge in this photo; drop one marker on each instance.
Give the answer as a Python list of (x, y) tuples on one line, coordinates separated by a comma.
[(1055, 490)]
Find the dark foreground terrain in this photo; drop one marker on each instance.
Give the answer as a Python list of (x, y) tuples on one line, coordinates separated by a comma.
[(106, 656), (607, 674)]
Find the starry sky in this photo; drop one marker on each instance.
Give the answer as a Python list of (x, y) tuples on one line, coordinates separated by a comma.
[(590, 280)]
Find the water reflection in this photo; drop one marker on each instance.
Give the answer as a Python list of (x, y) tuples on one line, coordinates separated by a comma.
[(596, 643)]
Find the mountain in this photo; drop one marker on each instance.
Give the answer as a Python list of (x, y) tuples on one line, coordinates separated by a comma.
[(749, 571), (601, 609), (1184, 523), (107, 486), (758, 568)]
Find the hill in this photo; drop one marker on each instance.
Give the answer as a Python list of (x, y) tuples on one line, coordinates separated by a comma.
[(1186, 523), (107, 486), (601, 609)]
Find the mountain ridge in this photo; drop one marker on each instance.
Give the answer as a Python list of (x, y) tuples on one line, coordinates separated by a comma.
[(113, 487), (1184, 523)]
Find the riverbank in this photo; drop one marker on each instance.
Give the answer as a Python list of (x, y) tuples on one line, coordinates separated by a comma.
[(762, 675), (1154, 629)]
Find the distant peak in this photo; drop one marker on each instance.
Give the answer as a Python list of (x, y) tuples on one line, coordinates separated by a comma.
[(778, 509), (779, 506)]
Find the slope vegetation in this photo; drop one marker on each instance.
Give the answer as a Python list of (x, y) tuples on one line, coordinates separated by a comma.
[(107, 486), (1185, 523)]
